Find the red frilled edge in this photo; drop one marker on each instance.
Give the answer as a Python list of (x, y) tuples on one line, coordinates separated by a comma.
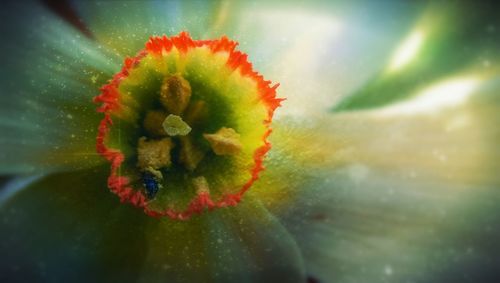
[(109, 99)]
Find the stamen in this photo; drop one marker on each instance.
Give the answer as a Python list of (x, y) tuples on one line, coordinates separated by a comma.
[(154, 154), (190, 155), (154, 172), (175, 94), (196, 112), (153, 123), (201, 184), (225, 141), (175, 126)]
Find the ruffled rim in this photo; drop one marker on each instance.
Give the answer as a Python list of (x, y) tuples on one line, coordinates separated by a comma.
[(109, 99)]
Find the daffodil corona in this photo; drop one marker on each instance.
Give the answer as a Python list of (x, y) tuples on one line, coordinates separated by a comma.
[(185, 126)]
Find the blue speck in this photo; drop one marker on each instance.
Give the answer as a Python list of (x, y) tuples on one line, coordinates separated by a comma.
[(151, 184)]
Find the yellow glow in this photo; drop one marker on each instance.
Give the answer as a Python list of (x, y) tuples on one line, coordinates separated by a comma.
[(407, 51), (449, 93)]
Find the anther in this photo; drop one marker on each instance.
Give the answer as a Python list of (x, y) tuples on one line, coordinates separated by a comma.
[(225, 141), (175, 94), (196, 112), (154, 154), (153, 123), (154, 172), (190, 155), (201, 184)]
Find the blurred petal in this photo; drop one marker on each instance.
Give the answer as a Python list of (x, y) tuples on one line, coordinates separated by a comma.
[(49, 75), (317, 50), (405, 197), (67, 227), (447, 41), (124, 26), (13, 185), (390, 229)]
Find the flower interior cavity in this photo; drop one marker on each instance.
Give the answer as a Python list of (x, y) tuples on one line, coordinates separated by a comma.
[(185, 126)]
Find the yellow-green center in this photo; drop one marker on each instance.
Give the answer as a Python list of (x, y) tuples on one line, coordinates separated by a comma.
[(167, 127)]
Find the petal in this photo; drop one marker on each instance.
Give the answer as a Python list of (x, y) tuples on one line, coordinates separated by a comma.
[(48, 78), (241, 245), (67, 227), (403, 197), (318, 51), (124, 26), (442, 44), (63, 220), (302, 149), (386, 228)]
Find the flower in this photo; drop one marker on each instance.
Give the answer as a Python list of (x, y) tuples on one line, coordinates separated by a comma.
[(383, 166), (227, 92)]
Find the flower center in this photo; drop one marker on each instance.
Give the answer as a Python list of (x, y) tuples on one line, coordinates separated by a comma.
[(167, 128), (185, 126)]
